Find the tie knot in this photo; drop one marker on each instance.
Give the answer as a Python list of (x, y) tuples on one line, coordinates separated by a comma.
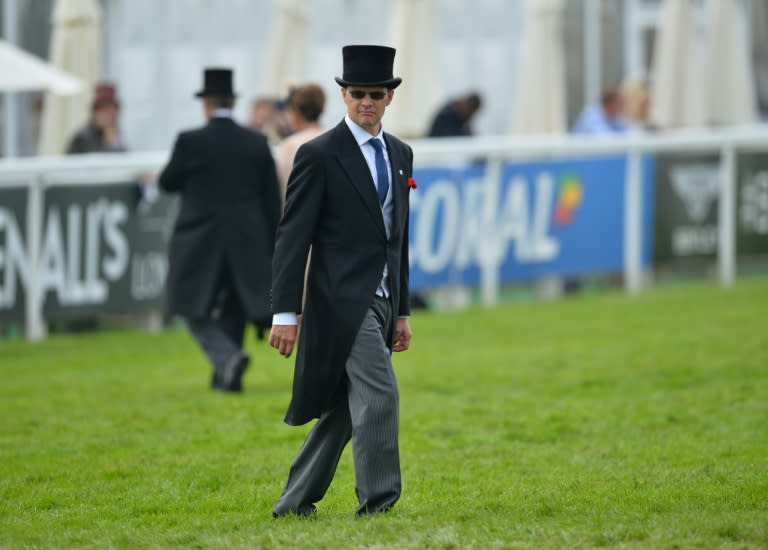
[(376, 143)]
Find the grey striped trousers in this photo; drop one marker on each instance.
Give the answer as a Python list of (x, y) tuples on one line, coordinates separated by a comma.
[(369, 416)]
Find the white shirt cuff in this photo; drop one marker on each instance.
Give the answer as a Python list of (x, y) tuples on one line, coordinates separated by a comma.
[(288, 318)]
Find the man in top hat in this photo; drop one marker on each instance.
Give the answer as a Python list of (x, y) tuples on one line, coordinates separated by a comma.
[(101, 134), (222, 244), (347, 196)]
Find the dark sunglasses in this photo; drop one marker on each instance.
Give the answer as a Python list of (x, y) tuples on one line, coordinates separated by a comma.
[(360, 94)]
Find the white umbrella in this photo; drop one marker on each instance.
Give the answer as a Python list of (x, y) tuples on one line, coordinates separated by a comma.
[(732, 97), (412, 34), (76, 48), (539, 106), (21, 72), (287, 49), (678, 97)]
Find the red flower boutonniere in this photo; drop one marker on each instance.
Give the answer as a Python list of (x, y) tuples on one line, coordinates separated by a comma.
[(412, 183)]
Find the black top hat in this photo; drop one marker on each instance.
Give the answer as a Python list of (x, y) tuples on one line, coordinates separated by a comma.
[(217, 82), (368, 66)]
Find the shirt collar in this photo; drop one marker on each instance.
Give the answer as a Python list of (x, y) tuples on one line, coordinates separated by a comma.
[(222, 113), (360, 135)]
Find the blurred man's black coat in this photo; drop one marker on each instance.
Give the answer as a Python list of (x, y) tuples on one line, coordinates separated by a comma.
[(230, 208)]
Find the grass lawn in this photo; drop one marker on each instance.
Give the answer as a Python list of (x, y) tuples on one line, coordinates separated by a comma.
[(596, 421)]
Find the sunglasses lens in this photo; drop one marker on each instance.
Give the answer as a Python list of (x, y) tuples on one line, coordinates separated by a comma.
[(376, 96)]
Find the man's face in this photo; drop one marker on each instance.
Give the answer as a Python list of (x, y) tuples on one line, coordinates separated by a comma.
[(366, 111)]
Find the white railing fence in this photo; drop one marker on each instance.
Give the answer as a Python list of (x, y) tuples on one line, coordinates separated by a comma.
[(38, 174)]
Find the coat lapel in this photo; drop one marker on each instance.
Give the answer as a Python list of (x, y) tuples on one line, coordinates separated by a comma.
[(352, 162), (399, 184)]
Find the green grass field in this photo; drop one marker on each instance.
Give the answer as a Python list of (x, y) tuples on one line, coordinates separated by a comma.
[(596, 421)]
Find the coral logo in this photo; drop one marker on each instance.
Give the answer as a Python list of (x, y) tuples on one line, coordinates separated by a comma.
[(569, 197)]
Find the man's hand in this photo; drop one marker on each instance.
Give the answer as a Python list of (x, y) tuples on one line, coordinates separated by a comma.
[(403, 334), (282, 338)]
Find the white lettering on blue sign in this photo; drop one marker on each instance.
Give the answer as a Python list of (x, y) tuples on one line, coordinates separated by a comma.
[(475, 224), (71, 264), (13, 259)]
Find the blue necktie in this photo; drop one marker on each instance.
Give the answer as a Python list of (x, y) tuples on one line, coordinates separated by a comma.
[(382, 175)]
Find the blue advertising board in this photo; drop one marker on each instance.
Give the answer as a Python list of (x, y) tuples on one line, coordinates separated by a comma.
[(528, 220)]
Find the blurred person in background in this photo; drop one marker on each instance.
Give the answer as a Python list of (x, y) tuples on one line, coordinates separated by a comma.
[(348, 196), (101, 134), (268, 116), (221, 249), (761, 76), (455, 117), (608, 118), (605, 118), (637, 104), (305, 106), (262, 114), (283, 121)]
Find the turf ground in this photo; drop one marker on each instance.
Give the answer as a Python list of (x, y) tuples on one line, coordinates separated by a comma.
[(596, 421)]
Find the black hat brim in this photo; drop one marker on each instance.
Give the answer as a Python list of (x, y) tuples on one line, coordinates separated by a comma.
[(204, 93), (391, 83)]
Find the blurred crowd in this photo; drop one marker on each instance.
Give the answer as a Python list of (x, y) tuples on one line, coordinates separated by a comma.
[(621, 109), (289, 121)]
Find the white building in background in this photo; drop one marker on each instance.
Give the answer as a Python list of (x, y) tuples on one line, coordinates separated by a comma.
[(155, 51)]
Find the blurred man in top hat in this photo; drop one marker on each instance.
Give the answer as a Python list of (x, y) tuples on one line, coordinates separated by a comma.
[(347, 196), (101, 134), (222, 244)]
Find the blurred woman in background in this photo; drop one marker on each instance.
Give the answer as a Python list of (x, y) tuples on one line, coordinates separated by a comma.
[(305, 106)]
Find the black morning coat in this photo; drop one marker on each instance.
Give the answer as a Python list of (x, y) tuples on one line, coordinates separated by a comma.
[(230, 208), (332, 205)]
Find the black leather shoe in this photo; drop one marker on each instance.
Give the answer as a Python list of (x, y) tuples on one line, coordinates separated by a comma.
[(305, 512), (231, 376), (368, 512)]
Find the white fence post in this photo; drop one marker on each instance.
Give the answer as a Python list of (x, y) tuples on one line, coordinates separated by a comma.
[(726, 246), (490, 281), (633, 222), (34, 324)]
